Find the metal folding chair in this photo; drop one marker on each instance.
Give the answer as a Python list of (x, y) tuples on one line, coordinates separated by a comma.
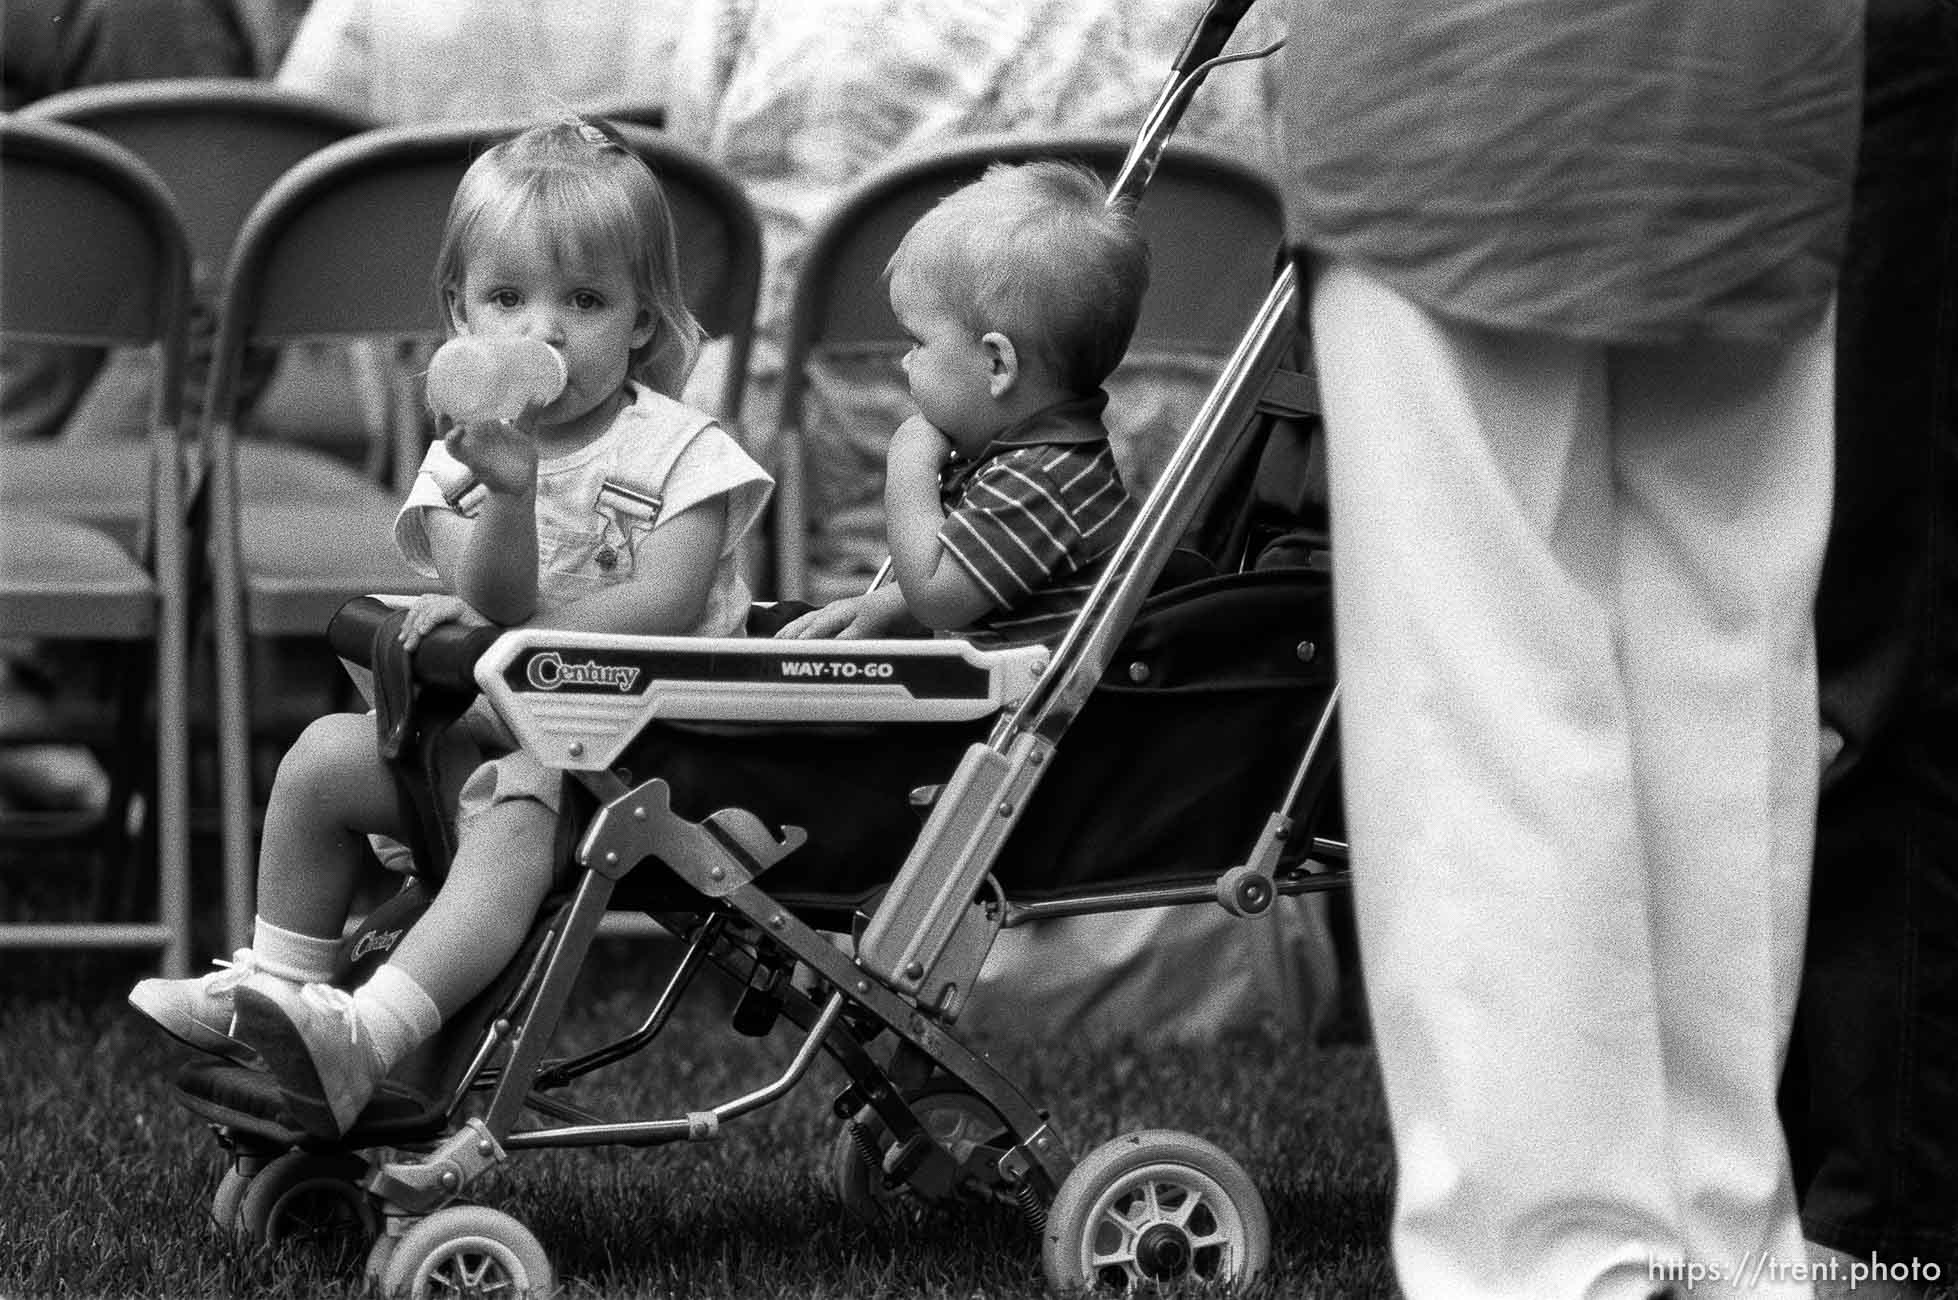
[(92, 252), (343, 247), (1215, 227), (217, 143)]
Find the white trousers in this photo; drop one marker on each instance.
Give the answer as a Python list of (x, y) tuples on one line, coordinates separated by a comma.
[(1573, 597)]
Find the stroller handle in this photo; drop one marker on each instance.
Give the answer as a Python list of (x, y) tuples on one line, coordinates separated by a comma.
[(445, 658), (1203, 51), (1211, 34)]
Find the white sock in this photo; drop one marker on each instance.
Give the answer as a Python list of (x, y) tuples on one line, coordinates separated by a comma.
[(301, 958), (396, 1014)]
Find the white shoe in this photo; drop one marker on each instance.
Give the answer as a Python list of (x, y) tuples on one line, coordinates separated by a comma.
[(312, 1044), (199, 1011)]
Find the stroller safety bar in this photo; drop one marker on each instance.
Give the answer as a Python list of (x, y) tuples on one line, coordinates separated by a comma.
[(573, 699), (576, 700)]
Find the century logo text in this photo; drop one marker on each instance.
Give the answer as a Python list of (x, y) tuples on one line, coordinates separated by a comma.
[(548, 671)]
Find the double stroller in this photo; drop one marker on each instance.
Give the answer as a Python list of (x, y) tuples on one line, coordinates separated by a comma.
[(759, 798)]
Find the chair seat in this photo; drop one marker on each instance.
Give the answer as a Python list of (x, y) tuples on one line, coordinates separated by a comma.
[(60, 578), (106, 484), (305, 559)]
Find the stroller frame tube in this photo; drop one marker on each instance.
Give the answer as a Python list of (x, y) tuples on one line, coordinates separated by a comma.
[(559, 1073), (697, 1124), (580, 927), (1131, 900)]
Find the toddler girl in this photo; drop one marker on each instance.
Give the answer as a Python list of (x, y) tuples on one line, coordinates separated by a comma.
[(612, 507)]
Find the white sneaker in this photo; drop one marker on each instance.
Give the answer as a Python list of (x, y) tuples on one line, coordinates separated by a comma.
[(199, 1011), (312, 1043)]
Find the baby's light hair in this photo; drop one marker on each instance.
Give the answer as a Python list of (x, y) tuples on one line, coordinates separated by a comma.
[(1036, 252), (581, 182)]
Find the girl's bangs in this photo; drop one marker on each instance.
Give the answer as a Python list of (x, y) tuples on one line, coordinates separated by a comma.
[(581, 222)]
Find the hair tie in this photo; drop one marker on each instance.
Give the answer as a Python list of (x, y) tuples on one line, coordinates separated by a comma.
[(601, 135)]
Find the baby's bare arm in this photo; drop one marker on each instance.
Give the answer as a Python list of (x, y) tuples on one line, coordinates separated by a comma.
[(873, 614), (937, 590)]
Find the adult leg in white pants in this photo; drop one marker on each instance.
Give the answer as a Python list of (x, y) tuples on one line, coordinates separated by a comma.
[(1573, 586)]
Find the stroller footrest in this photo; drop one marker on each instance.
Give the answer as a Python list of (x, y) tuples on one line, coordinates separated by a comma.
[(247, 1101)]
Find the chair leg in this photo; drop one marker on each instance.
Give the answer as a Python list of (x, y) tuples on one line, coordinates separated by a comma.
[(235, 785), (125, 837), (171, 815), (373, 389), (169, 822), (230, 632)]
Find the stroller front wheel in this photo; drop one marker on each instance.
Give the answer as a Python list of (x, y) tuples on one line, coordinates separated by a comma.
[(1152, 1211), (463, 1250)]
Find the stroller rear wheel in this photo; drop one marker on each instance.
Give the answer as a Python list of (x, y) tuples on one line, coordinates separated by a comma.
[(959, 1122), (462, 1250), (1152, 1211)]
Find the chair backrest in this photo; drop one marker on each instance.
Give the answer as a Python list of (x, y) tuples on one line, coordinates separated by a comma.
[(218, 143), (1215, 226), (92, 250), (344, 245)]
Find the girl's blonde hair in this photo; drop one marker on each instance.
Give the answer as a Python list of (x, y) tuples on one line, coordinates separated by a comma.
[(583, 183), (1037, 252)]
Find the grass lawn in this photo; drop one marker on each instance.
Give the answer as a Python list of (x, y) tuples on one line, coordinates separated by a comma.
[(107, 1184)]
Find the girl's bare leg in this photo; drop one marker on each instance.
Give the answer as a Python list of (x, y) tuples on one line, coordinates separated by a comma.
[(332, 791)]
